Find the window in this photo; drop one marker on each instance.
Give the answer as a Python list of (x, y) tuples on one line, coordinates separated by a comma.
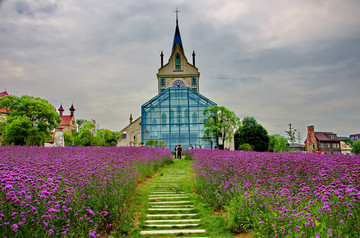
[(194, 118), (162, 84), (163, 119), (321, 145), (194, 84), (177, 61)]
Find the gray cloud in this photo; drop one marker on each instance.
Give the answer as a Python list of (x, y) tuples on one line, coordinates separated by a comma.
[(279, 61)]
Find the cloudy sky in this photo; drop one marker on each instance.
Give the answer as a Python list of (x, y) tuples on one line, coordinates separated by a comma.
[(279, 61)]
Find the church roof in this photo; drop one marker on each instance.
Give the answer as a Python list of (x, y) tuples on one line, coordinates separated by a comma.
[(65, 120), (2, 94), (61, 109), (72, 108), (177, 39), (162, 100)]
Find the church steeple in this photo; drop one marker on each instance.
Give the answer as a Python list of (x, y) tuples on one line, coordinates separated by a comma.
[(177, 37)]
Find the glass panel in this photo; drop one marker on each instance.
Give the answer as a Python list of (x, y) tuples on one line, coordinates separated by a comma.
[(175, 117)]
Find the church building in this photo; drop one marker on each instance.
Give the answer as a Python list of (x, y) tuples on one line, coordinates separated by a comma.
[(175, 115)]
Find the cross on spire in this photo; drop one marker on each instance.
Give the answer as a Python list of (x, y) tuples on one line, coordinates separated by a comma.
[(177, 11)]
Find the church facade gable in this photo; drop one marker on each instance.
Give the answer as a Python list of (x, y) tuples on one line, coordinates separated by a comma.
[(178, 72)]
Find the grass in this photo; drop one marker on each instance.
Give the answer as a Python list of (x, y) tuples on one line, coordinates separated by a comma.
[(211, 221)]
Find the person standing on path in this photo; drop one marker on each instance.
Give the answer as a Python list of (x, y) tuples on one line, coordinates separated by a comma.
[(179, 151), (176, 152)]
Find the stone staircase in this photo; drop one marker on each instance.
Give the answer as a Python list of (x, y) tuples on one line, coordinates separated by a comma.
[(171, 212)]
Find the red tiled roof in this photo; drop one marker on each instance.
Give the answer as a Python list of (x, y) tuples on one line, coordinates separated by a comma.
[(65, 120), (2, 94), (3, 110)]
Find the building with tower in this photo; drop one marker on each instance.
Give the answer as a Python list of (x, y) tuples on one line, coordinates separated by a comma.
[(68, 122), (175, 115)]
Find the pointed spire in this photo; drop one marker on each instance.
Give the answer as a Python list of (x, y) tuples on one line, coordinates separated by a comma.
[(193, 55), (72, 110), (162, 59), (61, 110), (177, 37), (131, 118)]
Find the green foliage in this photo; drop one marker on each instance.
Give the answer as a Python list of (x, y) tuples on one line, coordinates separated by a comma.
[(291, 134), (155, 143), (220, 123), (86, 135), (29, 121), (348, 141), (246, 147), (356, 147), (105, 137), (252, 133), (278, 143)]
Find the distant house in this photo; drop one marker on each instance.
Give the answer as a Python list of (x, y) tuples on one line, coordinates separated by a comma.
[(354, 137), (325, 142), (68, 122), (345, 148), (131, 134), (3, 111), (296, 147)]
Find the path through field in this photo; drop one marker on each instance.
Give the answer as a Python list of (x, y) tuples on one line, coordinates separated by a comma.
[(173, 211)]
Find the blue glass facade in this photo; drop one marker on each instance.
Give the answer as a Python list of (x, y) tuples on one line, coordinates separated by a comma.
[(176, 117)]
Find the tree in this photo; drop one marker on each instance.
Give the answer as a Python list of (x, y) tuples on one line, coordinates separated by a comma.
[(105, 137), (246, 147), (348, 141), (291, 135), (220, 123), (30, 120), (86, 136), (278, 143), (356, 147), (252, 133)]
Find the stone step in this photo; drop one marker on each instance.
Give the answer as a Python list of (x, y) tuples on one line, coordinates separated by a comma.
[(168, 197), (161, 221), (172, 206), (167, 192), (171, 225), (155, 232), (170, 209), (171, 215), (170, 202)]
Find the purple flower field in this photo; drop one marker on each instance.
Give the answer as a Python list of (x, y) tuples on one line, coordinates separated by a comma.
[(282, 194), (74, 191)]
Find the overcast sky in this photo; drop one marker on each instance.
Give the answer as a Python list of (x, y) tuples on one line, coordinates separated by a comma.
[(279, 61)]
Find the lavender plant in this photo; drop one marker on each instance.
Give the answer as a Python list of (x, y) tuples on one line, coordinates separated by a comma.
[(70, 191), (282, 194)]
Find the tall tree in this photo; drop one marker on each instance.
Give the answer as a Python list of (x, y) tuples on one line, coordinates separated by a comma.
[(30, 120), (252, 133), (291, 134), (220, 123)]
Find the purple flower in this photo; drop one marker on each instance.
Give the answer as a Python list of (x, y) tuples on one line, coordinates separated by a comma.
[(14, 227), (92, 233)]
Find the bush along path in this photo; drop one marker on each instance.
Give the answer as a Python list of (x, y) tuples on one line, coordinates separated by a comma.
[(174, 211)]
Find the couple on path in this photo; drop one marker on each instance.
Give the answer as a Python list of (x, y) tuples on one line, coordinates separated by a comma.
[(178, 151)]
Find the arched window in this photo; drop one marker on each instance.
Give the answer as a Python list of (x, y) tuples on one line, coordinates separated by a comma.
[(186, 115), (194, 84), (162, 84), (177, 61), (163, 119), (194, 118), (171, 118), (154, 122)]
